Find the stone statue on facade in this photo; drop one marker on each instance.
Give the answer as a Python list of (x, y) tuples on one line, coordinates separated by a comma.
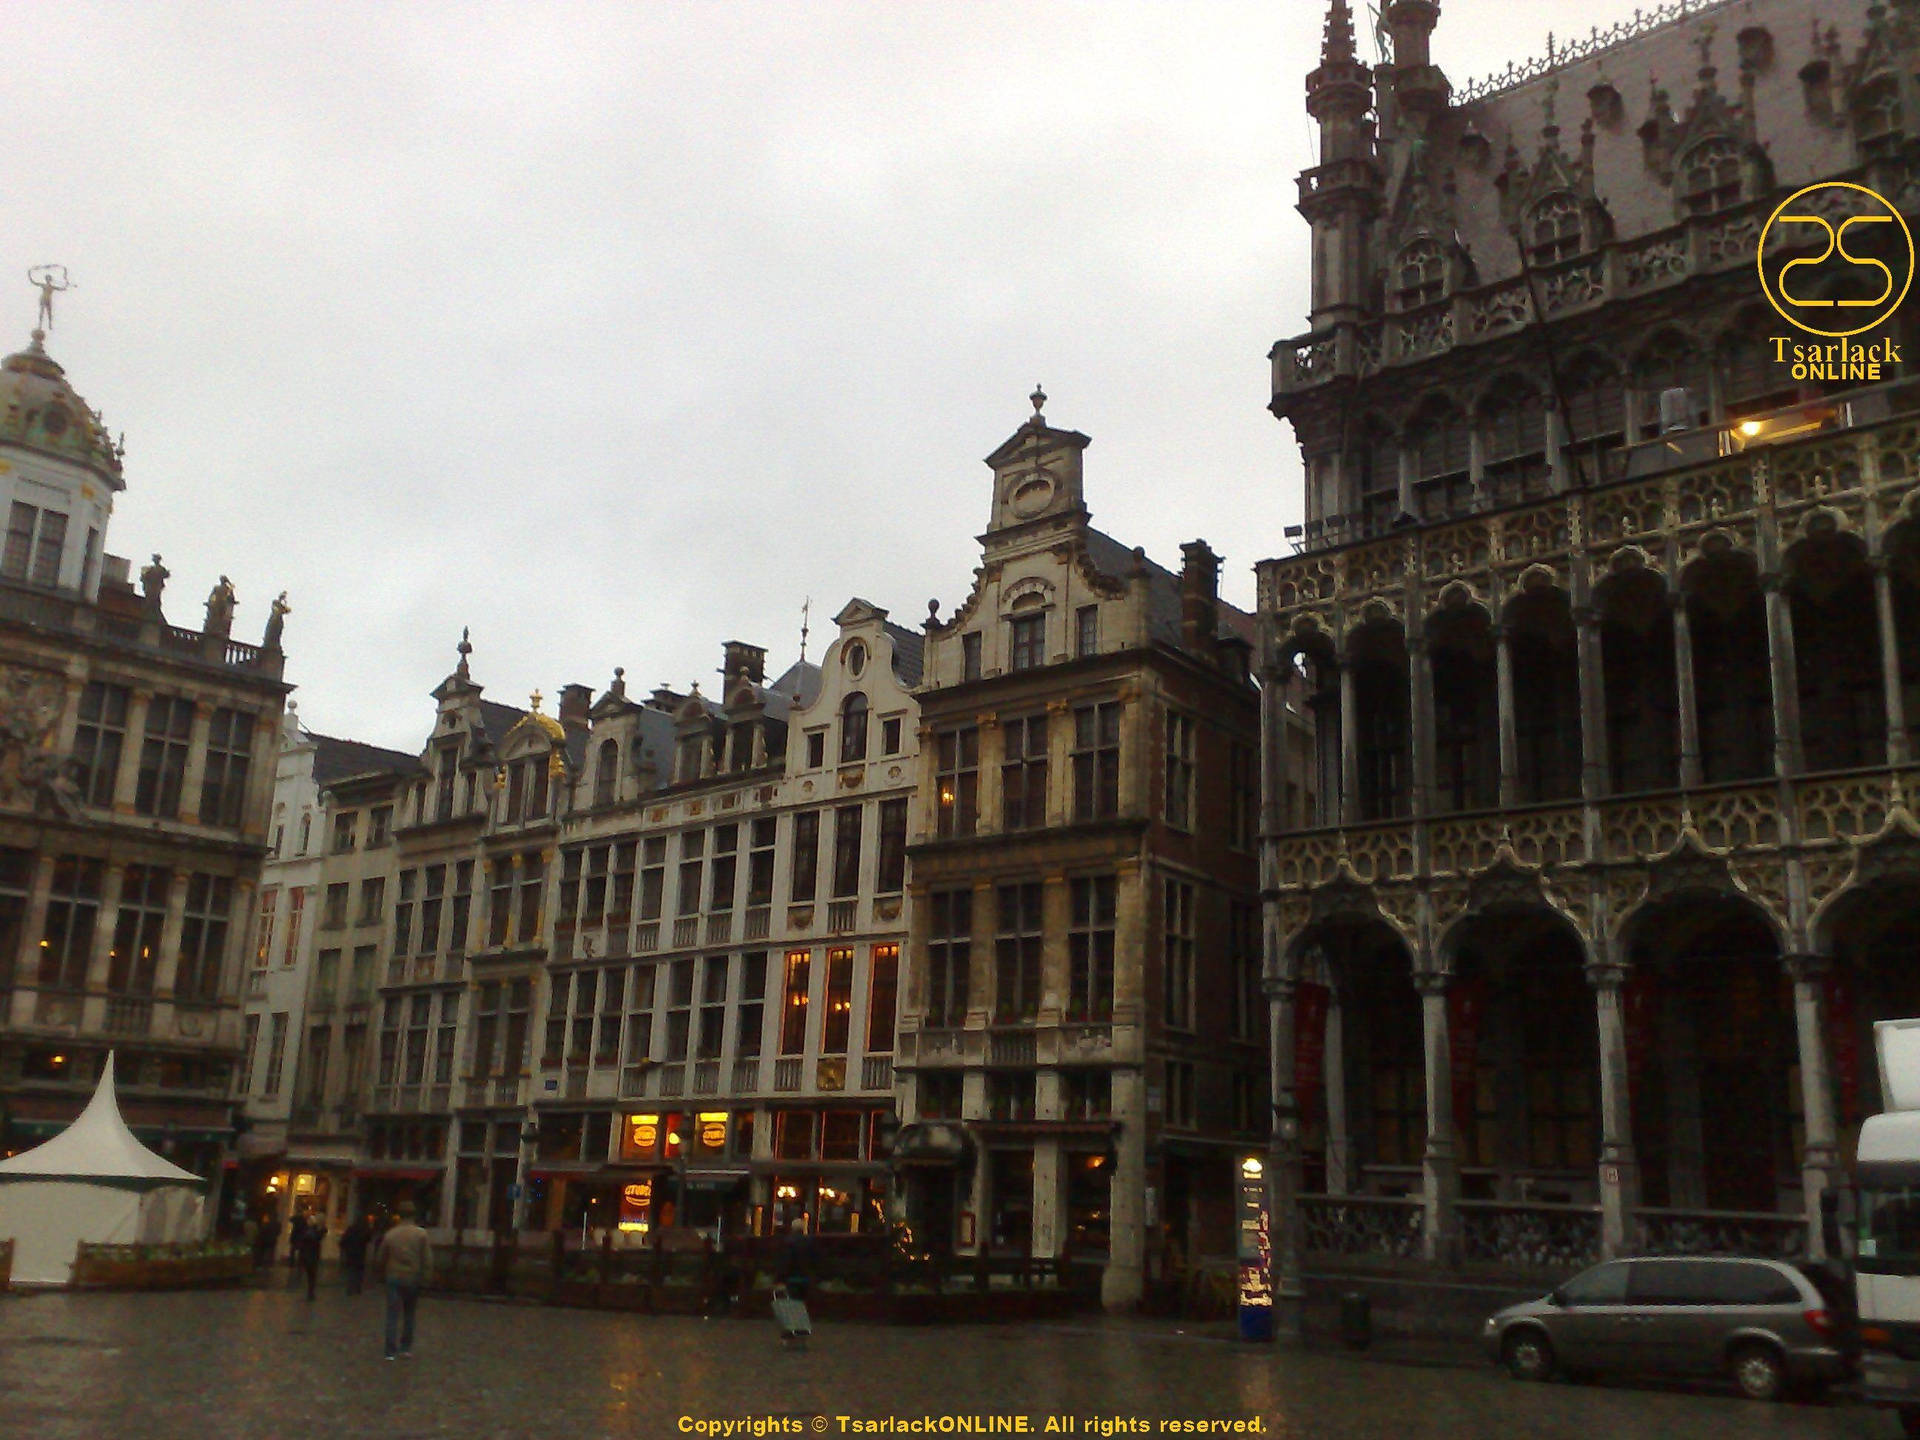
[(220, 603), (153, 581), (276, 622)]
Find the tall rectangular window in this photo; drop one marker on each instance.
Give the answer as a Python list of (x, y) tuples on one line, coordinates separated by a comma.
[(16, 879), (163, 756), (693, 845), (713, 1008), (970, 655), (263, 929), (1179, 955), (98, 739), (892, 877), (252, 1046), (462, 905), (793, 1007), (486, 1027), (1180, 754), (957, 781), (360, 983), (846, 851), (448, 769), (753, 995), (653, 876), (513, 1057), (333, 907), (379, 825), (345, 823), (1016, 950), (613, 987), (639, 1044), (134, 959), (883, 998), (679, 1008), (726, 860), (532, 879), (1090, 949), (760, 862), (403, 914), (35, 538), (223, 786), (1086, 631), (431, 902), (1096, 761), (806, 856), (838, 1024), (620, 896), (1027, 642), (949, 956), (499, 904), (296, 904), (276, 1053), (1243, 820), (1023, 774), (203, 937)]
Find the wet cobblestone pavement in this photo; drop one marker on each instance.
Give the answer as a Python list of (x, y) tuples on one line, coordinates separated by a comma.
[(267, 1363)]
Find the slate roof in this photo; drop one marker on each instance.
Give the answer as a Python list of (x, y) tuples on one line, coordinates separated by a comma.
[(335, 759), (909, 653)]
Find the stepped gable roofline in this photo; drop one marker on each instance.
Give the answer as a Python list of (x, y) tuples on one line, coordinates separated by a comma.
[(335, 760)]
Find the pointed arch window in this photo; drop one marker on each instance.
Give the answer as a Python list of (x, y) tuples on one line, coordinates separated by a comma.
[(1514, 423), (1554, 230), (1710, 179), (1596, 406), (1441, 443), (1419, 275)]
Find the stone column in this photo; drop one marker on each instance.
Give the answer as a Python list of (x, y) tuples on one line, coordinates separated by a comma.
[(1122, 1281), (27, 960), (1049, 1199), (1138, 760), (980, 996), (1056, 984), (1339, 1133), (1508, 730), (1283, 1156), (1325, 809), (127, 780), (1349, 811), (1890, 663), (1059, 762), (166, 971), (992, 754), (1593, 703), (1619, 1169), (1818, 1163), (1440, 1165), (1683, 684), (1784, 674), (1420, 724)]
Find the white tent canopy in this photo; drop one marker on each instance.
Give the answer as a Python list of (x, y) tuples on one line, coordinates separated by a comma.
[(93, 1182), (99, 1147)]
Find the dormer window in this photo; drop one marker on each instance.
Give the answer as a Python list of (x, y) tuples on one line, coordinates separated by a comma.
[(853, 729), (606, 771), (970, 655), (1710, 178), (1554, 230), (1027, 641), (1419, 276)]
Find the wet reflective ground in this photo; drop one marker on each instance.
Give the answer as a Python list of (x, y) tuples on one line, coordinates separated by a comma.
[(266, 1363)]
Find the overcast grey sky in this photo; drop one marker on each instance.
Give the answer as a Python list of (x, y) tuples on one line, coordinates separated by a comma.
[(615, 331)]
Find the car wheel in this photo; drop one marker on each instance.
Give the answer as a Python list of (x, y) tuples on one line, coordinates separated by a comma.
[(1528, 1355), (1758, 1372)]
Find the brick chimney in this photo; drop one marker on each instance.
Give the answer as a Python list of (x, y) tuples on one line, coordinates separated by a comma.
[(575, 701), (1199, 596), (742, 661)]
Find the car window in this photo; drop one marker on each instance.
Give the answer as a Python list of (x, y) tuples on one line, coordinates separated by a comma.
[(1602, 1285), (1738, 1284), (1673, 1282)]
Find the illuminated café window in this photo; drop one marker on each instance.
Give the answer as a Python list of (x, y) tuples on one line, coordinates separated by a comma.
[(636, 1204), (710, 1133), (793, 1135), (639, 1137), (674, 1135)]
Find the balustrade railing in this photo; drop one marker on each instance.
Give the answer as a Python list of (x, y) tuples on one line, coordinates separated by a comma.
[(746, 1076), (1018, 1047), (1666, 1231), (1523, 1236), (673, 1079), (129, 1015), (719, 929), (1376, 1225), (633, 1081), (686, 932), (758, 924), (876, 1072), (706, 1077), (786, 1074), (646, 937), (843, 914)]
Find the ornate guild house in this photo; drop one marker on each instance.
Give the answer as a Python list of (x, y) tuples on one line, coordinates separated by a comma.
[(1610, 625)]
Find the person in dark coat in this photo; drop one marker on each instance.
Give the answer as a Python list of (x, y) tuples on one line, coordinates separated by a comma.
[(307, 1251), (268, 1240), (296, 1228), (354, 1243), (797, 1260)]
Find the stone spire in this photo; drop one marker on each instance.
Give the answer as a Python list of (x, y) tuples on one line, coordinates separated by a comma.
[(1337, 47)]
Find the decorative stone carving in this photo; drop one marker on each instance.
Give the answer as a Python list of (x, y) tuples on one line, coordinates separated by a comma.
[(32, 776)]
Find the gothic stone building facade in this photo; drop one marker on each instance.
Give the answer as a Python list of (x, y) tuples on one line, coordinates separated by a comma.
[(1612, 630), (136, 772), (1080, 1041)]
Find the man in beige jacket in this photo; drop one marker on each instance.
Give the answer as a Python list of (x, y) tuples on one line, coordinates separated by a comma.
[(404, 1259)]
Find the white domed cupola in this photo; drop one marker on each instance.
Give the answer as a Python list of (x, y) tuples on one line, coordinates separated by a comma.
[(59, 469)]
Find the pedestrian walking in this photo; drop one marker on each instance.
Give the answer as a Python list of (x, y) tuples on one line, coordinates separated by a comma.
[(796, 1280), (355, 1241), (267, 1242), (404, 1261), (296, 1231), (312, 1235)]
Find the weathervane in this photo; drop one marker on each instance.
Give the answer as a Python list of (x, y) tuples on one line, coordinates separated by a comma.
[(806, 608), (50, 280)]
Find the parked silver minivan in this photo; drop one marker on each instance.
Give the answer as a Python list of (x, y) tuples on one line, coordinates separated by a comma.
[(1764, 1324)]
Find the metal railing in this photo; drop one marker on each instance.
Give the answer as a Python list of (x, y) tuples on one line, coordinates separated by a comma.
[(1667, 1231), (1525, 1236), (129, 1015), (1362, 1225), (1014, 1047)]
